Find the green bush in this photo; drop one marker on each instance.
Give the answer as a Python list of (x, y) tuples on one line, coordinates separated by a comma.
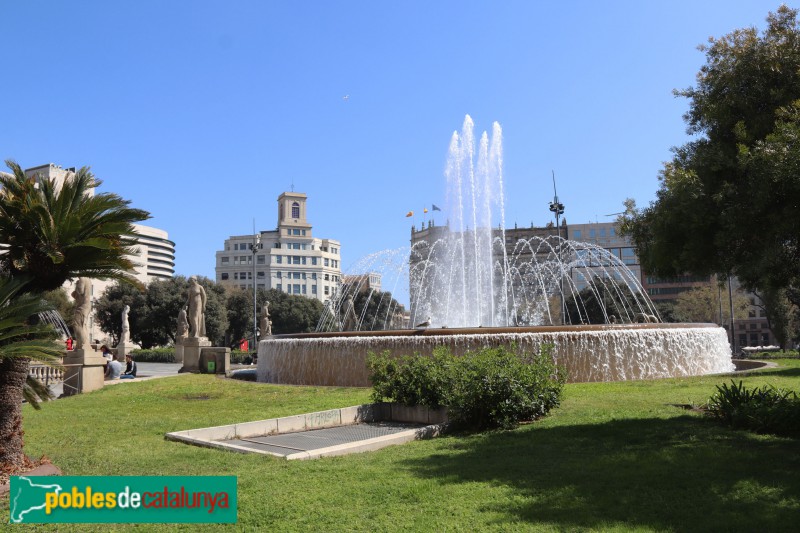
[(154, 355), (489, 388), (763, 410)]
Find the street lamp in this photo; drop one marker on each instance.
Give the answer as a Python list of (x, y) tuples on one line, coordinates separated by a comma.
[(255, 248), (558, 209)]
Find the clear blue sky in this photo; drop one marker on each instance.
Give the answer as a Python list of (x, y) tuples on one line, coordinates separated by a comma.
[(204, 112)]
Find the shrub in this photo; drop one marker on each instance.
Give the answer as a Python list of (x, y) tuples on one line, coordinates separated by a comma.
[(763, 410), (154, 355), (489, 388)]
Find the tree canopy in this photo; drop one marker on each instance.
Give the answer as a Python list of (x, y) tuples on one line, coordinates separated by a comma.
[(728, 200)]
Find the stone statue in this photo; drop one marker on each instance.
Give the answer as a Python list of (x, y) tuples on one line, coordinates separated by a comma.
[(80, 317), (126, 327), (266, 323), (183, 325), (349, 318), (196, 308)]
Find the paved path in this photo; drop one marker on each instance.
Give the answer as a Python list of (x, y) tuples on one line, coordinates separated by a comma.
[(144, 372)]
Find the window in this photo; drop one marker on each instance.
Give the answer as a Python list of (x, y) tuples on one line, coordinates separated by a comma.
[(313, 289), (260, 260), (303, 275), (743, 339), (602, 232), (295, 275), (764, 339), (304, 233), (235, 259), (224, 260), (303, 287), (278, 259), (295, 246), (303, 260), (754, 339), (260, 275), (224, 275), (295, 232), (611, 232), (277, 245), (295, 210), (327, 262), (314, 261), (591, 233), (236, 246), (295, 289), (235, 275), (327, 290), (576, 234), (278, 274), (279, 287), (296, 260), (313, 275), (327, 278)]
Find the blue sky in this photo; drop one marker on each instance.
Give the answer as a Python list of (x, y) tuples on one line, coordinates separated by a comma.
[(204, 112)]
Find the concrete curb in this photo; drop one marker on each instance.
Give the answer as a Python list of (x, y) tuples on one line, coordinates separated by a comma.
[(214, 437)]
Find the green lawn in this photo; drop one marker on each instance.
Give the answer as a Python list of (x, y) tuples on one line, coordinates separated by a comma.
[(615, 456)]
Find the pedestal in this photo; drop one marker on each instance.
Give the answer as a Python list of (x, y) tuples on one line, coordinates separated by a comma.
[(178, 351), (191, 353), (124, 348), (84, 371)]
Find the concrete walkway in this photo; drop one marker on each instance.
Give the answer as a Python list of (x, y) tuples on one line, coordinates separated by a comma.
[(144, 372)]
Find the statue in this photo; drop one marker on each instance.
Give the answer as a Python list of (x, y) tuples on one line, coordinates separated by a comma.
[(349, 319), (196, 308), (183, 325), (266, 323), (126, 328), (80, 317)]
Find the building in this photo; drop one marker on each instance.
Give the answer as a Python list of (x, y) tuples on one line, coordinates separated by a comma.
[(154, 256), (604, 235), (288, 258)]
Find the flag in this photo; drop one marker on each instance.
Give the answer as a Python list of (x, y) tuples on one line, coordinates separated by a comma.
[(435, 208), (425, 210), (410, 214)]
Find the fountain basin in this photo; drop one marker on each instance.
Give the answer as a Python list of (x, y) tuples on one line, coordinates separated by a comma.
[(613, 352)]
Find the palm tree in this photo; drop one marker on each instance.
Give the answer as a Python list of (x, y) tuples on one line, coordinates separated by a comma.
[(53, 232), (20, 342), (50, 233)]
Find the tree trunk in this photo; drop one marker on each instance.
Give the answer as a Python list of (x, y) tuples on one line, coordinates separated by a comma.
[(13, 372)]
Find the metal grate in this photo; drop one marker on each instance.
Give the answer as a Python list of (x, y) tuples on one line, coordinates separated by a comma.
[(289, 443)]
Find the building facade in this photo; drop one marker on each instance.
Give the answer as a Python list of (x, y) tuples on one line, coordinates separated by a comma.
[(289, 258)]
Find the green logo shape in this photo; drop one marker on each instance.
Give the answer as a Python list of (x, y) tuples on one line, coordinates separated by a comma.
[(122, 499)]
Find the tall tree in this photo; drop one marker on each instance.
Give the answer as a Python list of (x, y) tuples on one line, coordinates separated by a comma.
[(108, 310), (51, 234), (703, 304), (291, 313), (728, 200)]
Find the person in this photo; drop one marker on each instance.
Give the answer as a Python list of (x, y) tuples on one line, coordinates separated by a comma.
[(130, 368), (69, 343), (113, 369), (106, 352), (196, 308)]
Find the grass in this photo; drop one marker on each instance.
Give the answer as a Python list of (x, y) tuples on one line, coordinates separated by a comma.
[(614, 457)]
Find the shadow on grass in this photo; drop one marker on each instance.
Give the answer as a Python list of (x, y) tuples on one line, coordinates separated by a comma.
[(683, 473)]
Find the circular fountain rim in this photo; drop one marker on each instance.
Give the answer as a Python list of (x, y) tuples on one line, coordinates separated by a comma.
[(491, 330)]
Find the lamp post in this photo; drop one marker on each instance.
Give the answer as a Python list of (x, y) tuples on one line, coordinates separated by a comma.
[(255, 248), (558, 209)]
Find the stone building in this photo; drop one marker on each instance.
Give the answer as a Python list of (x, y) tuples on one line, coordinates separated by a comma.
[(288, 258)]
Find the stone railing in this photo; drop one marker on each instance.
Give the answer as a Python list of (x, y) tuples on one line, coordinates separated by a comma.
[(46, 374)]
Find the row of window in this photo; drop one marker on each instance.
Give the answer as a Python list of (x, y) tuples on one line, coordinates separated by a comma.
[(295, 231), (594, 233), (280, 275), (754, 340)]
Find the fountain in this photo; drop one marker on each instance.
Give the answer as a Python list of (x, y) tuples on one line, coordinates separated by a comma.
[(471, 288)]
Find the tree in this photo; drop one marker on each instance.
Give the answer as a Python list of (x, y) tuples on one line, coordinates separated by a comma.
[(239, 306), (108, 310), (51, 234), (59, 301), (21, 342), (727, 201), (703, 303), (376, 310), (157, 322), (602, 298), (291, 313)]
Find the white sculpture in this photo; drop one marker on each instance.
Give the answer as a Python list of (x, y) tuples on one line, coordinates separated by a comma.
[(183, 325), (80, 317), (196, 308), (126, 328), (266, 323)]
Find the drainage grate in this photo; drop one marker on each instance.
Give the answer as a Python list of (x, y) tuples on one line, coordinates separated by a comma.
[(289, 443)]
